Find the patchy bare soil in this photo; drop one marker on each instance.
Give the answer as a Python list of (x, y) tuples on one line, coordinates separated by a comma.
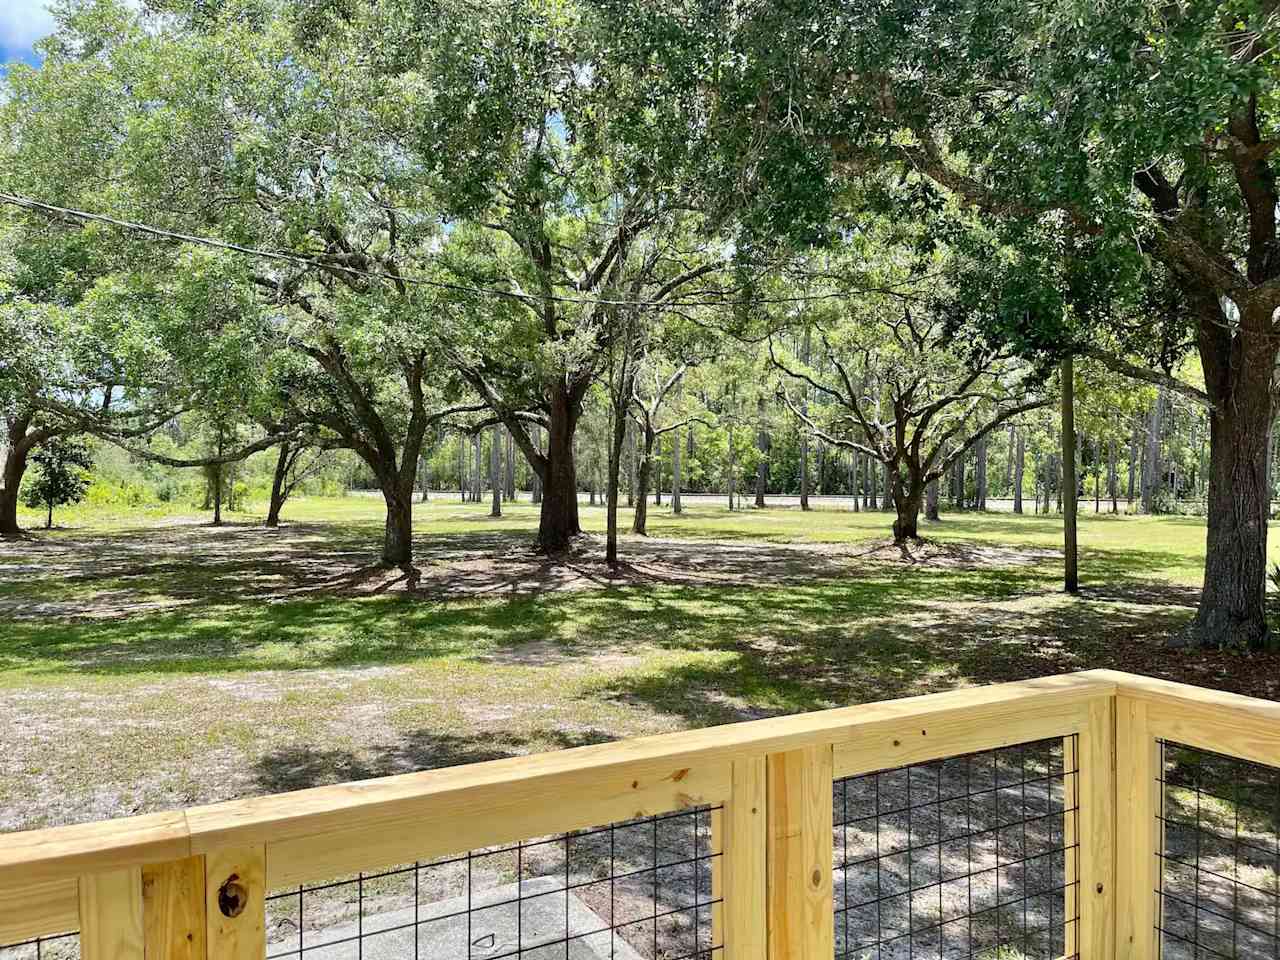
[(174, 663)]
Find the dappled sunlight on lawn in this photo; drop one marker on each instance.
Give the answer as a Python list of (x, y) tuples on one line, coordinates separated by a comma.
[(287, 657)]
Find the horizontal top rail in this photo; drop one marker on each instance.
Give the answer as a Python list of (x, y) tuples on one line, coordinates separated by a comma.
[(611, 780)]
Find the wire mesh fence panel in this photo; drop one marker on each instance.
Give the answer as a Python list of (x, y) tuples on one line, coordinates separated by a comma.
[(971, 856), (1219, 853), (64, 946), (635, 890)]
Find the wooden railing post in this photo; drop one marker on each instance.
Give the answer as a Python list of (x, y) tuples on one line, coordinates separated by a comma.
[(1137, 806), (173, 909), (738, 875), (235, 903), (801, 921), (1096, 836), (111, 915)]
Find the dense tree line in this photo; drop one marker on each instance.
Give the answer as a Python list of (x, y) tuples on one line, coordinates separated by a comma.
[(679, 246)]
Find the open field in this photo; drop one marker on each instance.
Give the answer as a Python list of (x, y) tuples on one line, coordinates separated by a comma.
[(148, 660)]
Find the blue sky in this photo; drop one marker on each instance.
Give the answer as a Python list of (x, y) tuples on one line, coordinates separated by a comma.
[(22, 23)]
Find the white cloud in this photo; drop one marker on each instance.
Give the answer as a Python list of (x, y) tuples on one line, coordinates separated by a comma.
[(22, 22)]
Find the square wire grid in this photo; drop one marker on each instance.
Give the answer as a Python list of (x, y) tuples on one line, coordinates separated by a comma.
[(971, 856), (634, 890), (1219, 856), (64, 946)]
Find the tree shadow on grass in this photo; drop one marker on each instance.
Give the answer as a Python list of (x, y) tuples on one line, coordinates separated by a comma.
[(299, 766)]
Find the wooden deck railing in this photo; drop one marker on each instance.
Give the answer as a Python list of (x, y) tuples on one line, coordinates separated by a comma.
[(192, 883)]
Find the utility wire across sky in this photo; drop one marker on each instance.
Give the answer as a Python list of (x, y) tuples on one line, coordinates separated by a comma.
[(51, 209)]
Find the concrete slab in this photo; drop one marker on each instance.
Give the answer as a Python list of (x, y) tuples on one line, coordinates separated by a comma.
[(532, 929)]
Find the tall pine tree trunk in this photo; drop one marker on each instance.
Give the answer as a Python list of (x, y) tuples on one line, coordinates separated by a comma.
[(641, 516), (495, 470), (1019, 471), (1070, 552), (763, 444), (980, 493), (675, 472), (1151, 467), (931, 500)]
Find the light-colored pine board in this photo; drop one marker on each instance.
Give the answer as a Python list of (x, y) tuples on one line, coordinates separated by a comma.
[(111, 925), (801, 921), (45, 908), (437, 822), (244, 936), (1137, 832), (1070, 838), (743, 866), (173, 909), (892, 742), (60, 853), (1097, 833)]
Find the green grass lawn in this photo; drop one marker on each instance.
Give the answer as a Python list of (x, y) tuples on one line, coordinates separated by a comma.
[(148, 660)]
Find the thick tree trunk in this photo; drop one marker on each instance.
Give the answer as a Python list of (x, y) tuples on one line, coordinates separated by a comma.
[(931, 500), (1019, 471), (641, 515), (1238, 375), (907, 499), (278, 478), (15, 465), (886, 502), (558, 523), (495, 470), (397, 538), (1071, 578)]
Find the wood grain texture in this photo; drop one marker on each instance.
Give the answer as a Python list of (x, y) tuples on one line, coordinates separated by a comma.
[(801, 921), (64, 853), (1137, 831), (243, 936), (111, 915), (1070, 838), (1097, 831), (45, 908), (173, 909), (744, 865), (887, 743)]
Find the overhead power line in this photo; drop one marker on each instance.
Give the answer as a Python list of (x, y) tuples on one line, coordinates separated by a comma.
[(281, 256)]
